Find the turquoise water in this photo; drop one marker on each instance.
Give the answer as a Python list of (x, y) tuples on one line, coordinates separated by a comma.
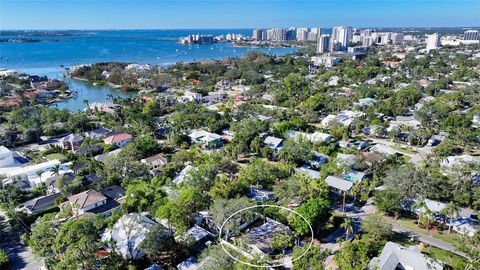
[(84, 47)]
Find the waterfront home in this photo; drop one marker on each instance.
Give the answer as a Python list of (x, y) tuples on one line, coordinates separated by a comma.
[(86, 201), (395, 256), (108, 107), (71, 142), (119, 140), (155, 163), (128, 234)]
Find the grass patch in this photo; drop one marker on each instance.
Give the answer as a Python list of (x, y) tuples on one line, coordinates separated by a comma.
[(411, 224), (55, 156), (452, 261), (403, 150)]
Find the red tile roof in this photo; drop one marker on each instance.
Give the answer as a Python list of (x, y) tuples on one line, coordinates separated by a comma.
[(118, 138)]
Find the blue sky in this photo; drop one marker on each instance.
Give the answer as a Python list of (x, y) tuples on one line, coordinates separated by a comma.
[(156, 14)]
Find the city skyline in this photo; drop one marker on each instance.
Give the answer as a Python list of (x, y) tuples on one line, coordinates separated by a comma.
[(188, 14)]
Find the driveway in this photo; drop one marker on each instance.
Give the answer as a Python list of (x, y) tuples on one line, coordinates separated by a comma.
[(21, 257)]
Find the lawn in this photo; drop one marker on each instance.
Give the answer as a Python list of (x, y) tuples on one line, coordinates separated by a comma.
[(453, 261), (55, 156), (410, 224), (403, 150)]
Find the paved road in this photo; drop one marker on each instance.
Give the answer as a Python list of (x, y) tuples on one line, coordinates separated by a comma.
[(361, 212), (21, 257), (427, 239)]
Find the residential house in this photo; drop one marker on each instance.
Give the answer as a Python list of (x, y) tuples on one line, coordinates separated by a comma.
[(316, 137), (107, 107), (128, 234), (348, 160), (395, 256), (41, 204), (155, 163), (197, 237), (32, 176), (71, 142), (345, 118), (449, 164), (85, 201), (262, 234), (120, 140), (180, 177), (65, 179), (97, 133), (339, 184), (384, 150), (261, 195), (206, 139), (103, 157), (6, 157), (273, 142)]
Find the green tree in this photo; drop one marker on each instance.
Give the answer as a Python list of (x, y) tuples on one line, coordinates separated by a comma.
[(471, 247), (452, 211), (389, 201), (377, 228), (314, 259), (316, 211), (353, 256), (347, 225), (4, 260)]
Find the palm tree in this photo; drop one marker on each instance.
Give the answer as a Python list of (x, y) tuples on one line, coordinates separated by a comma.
[(56, 170), (452, 211), (427, 219), (421, 205), (347, 225)]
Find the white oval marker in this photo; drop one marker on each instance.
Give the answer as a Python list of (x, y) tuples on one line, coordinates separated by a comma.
[(264, 206)]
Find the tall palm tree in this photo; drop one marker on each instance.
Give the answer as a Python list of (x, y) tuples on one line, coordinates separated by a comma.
[(452, 211), (427, 219), (421, 206), (347, 225), (56, 170)]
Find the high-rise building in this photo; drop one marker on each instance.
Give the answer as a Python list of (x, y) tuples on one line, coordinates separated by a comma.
[(302, 34), (257, 34), (367, 41), (367, 32), (291, 34), (397, 38), (317, 30), (433, 42), (312, 36), (470, 35), (323, 44), (264, 35), (342, 35), (277, 34)]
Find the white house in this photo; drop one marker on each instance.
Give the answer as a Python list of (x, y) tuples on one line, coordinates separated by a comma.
[(32, 176), (395, 256), (316, 137), (128, 233), (6, 157)]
